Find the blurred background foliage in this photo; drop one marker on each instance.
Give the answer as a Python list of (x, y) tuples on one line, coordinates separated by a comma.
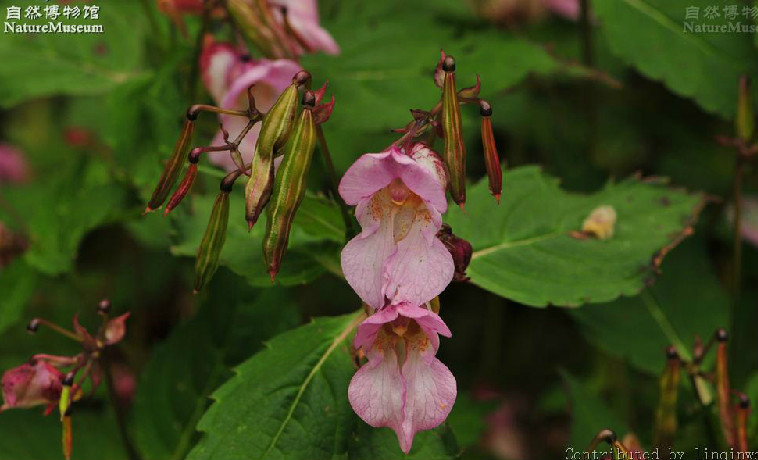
[(630, 93)]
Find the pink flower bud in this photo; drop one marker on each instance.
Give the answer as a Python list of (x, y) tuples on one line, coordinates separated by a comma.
[(116, 329), (31, 384)]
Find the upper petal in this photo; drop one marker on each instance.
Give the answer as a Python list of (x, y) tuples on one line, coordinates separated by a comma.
[(430, 390)]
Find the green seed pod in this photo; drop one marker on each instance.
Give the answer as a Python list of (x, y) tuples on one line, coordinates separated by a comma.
[(213, 240), (665, 415), (173, 166), (455, 151), (745, 120), (289, 187), (275, 129), (250, 20)]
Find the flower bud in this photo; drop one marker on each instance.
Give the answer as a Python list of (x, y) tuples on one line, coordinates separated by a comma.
[(455, 151), (491, 158), (275, 129), (115, 329), (213, 240), (173, 166), (248, 18), (289, 187), (745, 120), (665, 415), (31, 384), (460, 249)]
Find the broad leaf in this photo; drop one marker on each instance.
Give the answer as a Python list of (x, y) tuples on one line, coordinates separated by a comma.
[(388, 68), (318, 230), (369, 443), (175, 386), (524, 250), (73, 64), (687, 301), (653, 36), (288, 401)]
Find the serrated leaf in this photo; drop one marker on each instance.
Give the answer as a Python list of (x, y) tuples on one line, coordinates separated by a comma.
[(388, 68), (369, 443), (317, 222), (687, 301), (288, 401), (175, 386), (523, 249), (652, 36), (72, 64)]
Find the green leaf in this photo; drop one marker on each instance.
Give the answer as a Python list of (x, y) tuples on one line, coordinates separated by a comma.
[(27, 434), (73, 64), (652, 35), (175, 386), (687, 301), (589, 415), (468, 419), (288, 401), (61, 209), (369, 443), (317, 221), (388, 68), (523, 249), (17, 285)]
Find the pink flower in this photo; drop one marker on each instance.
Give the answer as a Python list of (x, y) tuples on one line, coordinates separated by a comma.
[(31, 384), (399, 200), (303, 16), (227, 73), (13, 165), (403, 385)]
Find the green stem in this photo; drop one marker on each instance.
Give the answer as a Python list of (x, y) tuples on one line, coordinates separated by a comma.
[(350, 230), (194, 85)]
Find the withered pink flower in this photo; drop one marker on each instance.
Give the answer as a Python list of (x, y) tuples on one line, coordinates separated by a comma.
[(31, 384), (403, 385), (13, 165), (227, 73), (303, 16), (399, 200)]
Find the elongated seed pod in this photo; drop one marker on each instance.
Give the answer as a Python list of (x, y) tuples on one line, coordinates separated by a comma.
[(289, 187), (67, 436), (209, 252), (665, 415), (455, 151), (491, 159), (275, 129), (173, 166), (184, 187), (723, 391), (745, 119)]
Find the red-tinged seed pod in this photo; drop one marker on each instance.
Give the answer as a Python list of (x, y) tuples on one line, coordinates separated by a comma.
[(184, 186), (740, 419), (455, 151), (289, 187), (491, 158), (209, 252), (665, 415), (67, 439), (745, 119), (275, 130), (723, 391), (173, 166)]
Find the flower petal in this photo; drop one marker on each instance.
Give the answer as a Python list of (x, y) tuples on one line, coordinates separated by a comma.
[(421, 267), (377, 390), (304, 19), (364, 257), (430, 390), (365, 333)]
